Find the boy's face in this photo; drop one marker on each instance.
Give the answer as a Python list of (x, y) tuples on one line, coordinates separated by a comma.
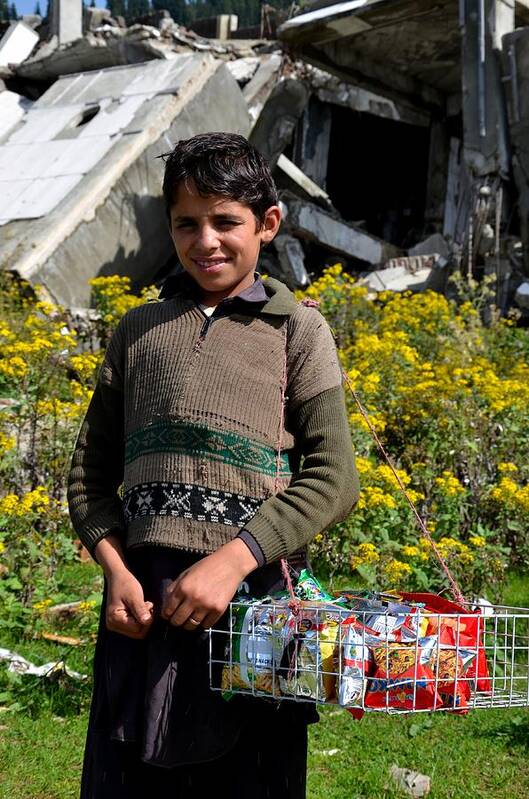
[(217, 240)]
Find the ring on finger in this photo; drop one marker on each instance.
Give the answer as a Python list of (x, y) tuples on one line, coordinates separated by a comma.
[(194, 621)]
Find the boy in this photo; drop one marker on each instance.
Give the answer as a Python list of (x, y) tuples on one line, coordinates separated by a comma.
[(221, 411)]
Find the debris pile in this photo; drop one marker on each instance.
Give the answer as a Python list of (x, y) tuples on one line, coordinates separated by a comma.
[(396, 149)]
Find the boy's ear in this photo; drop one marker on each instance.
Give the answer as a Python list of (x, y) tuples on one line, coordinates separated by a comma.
[(271, 223)]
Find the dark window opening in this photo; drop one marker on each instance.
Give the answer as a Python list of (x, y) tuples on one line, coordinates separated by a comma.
[(377, 174)]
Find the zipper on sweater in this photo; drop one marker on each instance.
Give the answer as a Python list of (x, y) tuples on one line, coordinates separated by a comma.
[(206, 324), (205, 327)]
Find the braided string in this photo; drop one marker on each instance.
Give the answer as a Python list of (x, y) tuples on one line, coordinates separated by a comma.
[(456, 591), (293, 603)]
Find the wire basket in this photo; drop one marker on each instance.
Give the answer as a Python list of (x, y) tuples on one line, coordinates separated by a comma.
[(366, 660)]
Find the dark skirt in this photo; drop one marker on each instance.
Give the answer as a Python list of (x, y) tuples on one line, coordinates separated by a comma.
[(155, 722)]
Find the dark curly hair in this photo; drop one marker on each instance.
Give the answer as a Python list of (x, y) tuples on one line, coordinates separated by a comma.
[(225, 164)]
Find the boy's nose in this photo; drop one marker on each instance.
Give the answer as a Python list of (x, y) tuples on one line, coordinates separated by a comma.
[(207, 238)]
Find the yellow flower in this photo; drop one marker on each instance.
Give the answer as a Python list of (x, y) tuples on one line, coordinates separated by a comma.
[(450, 548), (51, 407), (14, 367), (9, 504), (87, 606), (374, 497), (42, 605), (2, 547), (477, 540), (366, 553), (511, 495), (6, 442), (85, 364), (410, 551), (395, 571), (504, 468), (36, 501), (6, 333), (47, 308), (364, 466), (356, 419), (449, 485)]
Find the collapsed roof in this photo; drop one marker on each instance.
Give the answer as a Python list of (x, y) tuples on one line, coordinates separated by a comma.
[(386, 123), (79, 175)]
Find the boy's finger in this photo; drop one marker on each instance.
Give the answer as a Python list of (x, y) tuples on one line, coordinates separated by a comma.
[(141, 611), (119, 620), (183, 612), (210, 620), (171, 601), (194, 622)]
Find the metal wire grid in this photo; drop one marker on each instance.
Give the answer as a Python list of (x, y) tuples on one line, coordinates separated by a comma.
[(311, 657)]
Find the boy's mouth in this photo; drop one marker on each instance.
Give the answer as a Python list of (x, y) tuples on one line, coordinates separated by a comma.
[(210, 264)]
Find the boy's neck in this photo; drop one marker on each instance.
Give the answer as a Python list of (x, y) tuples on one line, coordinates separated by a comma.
[(212, 298)]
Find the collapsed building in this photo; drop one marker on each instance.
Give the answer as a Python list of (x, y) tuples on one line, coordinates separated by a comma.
[(395, 129)]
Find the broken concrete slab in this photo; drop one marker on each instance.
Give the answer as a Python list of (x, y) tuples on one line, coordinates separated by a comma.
[(330, 89), (433, 244), (12, 109), (17, 43), (312, 140), (33, 20), (396, 278), (309, 222), (412, 273), (111, 205), (292, 260), (301, 181), (111, 44), (96, 17), (260, 87), (275, 126), (243, 69)]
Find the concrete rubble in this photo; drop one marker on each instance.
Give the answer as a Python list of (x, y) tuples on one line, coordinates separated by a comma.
[(81, 173), (397, 148), (17, 43)]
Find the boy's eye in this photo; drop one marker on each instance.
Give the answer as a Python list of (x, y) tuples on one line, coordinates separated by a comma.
[(220, 223)]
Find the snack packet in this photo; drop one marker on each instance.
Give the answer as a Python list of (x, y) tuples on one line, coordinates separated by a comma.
[(403, 678), (357, 662), (308, 665), (308, 588), (255, 647)]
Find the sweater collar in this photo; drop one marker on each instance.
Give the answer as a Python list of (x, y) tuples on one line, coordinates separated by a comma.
[(268, 296)]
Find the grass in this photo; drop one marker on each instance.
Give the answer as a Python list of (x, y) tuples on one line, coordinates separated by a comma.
[(480, 756)]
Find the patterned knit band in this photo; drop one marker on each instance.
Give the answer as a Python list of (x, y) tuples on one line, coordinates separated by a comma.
[(185, 438), (188, 502)]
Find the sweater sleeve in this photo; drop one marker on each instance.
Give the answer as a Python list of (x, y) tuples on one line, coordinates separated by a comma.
[(96, 471), (325, 490)]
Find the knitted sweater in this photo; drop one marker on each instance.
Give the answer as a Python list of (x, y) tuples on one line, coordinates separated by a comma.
[(186, 417)]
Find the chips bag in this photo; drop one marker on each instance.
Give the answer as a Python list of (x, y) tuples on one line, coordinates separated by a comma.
[(308, 664)]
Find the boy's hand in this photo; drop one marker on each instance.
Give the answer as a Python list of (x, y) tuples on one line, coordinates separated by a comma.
[(201, 594), (126, 611)]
